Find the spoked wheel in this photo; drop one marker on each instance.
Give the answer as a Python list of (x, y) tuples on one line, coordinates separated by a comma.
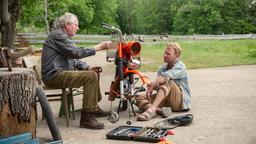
[(128, 81), (113, 117)]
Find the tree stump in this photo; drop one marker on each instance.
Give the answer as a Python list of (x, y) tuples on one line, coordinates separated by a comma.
[(17, 102)]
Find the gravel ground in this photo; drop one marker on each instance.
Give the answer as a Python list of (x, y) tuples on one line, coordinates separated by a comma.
[(223, 106)]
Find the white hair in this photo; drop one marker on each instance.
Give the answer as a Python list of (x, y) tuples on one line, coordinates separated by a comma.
[(62, 21)]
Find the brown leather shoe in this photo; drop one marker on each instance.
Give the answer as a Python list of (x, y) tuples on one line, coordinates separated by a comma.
[(100, 113), (88, 121)]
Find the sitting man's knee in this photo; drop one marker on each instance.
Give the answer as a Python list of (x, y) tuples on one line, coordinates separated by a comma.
[(94, 75), (163, 90), (90, 76)]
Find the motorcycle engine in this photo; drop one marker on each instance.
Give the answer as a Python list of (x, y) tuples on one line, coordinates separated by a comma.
[(126, 86)]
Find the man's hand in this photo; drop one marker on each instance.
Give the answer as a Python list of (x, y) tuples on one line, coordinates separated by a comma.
[(18, 61), (105, 45), (150, 88), (97, 69)]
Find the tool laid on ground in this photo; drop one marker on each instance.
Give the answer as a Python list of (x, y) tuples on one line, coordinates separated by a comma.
[(150, 134), (124, 84), (164, 142), (146, 134), (176, 121)]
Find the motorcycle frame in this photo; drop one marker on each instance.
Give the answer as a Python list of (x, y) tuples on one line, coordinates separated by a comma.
[(123, 71)]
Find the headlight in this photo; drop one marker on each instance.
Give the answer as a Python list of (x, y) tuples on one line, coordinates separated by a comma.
[(133, 48), (134, 64)]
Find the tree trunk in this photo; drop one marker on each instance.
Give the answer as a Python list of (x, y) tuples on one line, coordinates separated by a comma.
[(17, 102), (10, 12), (46, 16), (9, 17)]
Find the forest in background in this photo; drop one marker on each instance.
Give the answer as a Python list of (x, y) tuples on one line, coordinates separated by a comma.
[(181, 17)]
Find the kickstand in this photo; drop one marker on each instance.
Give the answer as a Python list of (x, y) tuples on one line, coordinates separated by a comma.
[(134, 114), (119, 105)]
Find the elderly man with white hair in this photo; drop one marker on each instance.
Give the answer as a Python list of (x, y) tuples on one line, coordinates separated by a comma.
[(62, 68)]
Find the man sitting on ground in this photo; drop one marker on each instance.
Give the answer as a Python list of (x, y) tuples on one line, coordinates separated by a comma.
[(173, 93)]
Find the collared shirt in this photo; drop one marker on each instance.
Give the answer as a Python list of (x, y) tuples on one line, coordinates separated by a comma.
[(60, 53), (179, 74)]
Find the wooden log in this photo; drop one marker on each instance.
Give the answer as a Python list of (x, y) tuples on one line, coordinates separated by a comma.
[(17, 102)]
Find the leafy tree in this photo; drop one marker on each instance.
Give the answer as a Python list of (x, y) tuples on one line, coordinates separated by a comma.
[(182, 21), (91, 13), (126, 17), (201, 17), (104, 12), (31, 16), (85, 12), (239, 16), (147, 16)]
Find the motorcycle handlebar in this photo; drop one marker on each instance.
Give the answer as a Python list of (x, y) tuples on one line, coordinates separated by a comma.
[(106, 25), (114, 29)]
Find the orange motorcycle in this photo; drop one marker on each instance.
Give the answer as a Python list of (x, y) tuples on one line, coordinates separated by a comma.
[(127, 75)]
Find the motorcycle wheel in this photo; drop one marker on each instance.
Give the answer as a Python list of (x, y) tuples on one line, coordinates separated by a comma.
[(113, 117)]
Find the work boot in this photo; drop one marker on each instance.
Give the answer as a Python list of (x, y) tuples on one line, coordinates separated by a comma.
[(88, 121), (100, 113)]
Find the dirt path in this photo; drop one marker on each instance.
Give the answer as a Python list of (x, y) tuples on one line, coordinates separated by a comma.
[(223, 105)]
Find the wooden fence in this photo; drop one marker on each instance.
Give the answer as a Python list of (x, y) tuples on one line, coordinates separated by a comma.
[(32, 38)]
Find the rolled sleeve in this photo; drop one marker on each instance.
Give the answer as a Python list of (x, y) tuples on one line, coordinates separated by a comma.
[(179, 75), (177, 72), (166, 76)]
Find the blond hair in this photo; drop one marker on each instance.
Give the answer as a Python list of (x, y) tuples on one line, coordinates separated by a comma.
[(175, 46)]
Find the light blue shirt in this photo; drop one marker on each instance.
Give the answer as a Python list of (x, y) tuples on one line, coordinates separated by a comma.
[(179, 74)]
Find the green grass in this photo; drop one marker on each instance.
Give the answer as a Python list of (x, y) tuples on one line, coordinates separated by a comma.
[(203, 53), (199, 53)]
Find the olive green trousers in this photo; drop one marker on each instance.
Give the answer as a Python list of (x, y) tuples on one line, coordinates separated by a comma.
[(89, 80)]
